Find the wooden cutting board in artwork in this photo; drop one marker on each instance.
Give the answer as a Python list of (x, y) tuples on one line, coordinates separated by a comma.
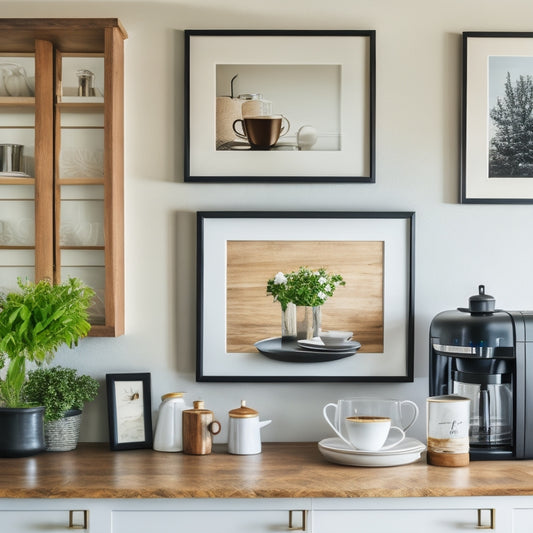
[(252, 315)]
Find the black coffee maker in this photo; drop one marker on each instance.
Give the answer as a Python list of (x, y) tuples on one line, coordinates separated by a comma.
[(486, 354)]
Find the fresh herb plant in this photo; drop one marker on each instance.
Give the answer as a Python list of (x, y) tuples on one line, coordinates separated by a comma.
[(34, 323), (303, 287), (59, 389)]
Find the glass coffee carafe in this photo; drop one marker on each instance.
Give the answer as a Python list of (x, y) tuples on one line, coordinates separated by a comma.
[(488, 385)]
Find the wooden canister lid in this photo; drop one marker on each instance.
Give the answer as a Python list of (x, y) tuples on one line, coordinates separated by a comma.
[(243, 411), (169, 395)]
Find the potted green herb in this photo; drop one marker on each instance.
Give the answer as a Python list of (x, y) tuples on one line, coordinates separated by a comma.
[(35, 322), (63, 393)]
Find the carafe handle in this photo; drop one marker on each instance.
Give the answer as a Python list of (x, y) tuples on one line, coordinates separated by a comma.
[(414, 414), (325, 413)]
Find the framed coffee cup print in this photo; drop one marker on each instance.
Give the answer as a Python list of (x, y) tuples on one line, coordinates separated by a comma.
[(305, 296), (280, 106), (497, 160)]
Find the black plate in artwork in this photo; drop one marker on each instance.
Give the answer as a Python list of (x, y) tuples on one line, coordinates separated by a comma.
[(290, 352)]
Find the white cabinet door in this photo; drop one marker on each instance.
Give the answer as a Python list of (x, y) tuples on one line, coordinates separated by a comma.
[(28, 521), (522, 520), (398, 521), (165, 521)]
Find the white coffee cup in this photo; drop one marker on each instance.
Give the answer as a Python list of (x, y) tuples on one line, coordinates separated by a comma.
[(369, 433)]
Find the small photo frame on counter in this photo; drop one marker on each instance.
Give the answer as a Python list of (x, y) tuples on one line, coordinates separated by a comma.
[(129, 411), (497, 161), (280, 106)]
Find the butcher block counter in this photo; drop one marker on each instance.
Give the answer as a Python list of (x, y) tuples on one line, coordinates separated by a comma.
[(282, 470)]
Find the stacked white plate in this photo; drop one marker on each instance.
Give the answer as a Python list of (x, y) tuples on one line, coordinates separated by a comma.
[(316, 343), (337, 451)]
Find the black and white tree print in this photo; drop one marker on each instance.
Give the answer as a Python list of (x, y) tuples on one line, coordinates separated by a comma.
[(511, 145)]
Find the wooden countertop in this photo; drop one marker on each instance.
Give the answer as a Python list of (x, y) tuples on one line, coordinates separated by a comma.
[(283, 470)]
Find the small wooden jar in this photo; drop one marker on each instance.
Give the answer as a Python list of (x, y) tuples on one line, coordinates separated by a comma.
[(199, 425)]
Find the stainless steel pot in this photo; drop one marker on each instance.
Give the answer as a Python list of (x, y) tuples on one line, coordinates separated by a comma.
[(11, 157)]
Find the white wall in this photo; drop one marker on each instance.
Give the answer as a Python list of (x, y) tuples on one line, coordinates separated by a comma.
[(418, 128)]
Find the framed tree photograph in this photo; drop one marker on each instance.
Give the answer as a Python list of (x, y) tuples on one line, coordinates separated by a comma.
[(280, 106), (129, 411), (270, 284), (497, 160)]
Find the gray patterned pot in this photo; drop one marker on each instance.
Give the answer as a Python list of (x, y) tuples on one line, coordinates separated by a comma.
[(62, 435)]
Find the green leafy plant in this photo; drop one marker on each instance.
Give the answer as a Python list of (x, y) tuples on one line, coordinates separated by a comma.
[(303, 287), (34, 323), (59, 389)]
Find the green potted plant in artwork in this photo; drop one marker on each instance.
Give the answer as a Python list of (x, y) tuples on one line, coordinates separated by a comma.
[(63, 393), (35, 322), (301, 294)]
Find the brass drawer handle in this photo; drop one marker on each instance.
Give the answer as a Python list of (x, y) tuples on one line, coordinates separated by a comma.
[(492, 519), (78, 519), (303, 526)]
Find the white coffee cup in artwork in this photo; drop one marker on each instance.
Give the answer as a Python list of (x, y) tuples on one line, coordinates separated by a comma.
[(369, 433), (335, 338)]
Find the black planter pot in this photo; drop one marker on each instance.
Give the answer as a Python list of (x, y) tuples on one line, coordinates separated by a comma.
[(21, 431)]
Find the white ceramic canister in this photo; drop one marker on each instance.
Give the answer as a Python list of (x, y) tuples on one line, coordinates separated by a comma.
[(168, 432), (448, 424), (244, 435)]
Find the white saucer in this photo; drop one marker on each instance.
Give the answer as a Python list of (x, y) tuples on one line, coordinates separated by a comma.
[(407, 446), (369, 460), (316, 343)]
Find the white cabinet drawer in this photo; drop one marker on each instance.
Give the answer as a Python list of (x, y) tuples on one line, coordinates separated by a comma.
[(28, 521), (242, 521), (398, 521)]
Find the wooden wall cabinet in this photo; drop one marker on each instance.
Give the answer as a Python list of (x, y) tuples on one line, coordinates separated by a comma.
[(61, 213)]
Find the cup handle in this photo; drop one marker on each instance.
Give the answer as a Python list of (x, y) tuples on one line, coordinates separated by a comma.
[(325, 413), (402, 433), (284, 118), (214, 427), (415, 412), (241, 135)]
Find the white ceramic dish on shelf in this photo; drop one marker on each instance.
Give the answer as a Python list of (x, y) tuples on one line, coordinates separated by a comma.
[(316, 344), (336, 451)]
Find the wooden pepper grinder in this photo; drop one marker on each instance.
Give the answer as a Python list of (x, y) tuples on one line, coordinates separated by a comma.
[(199, 425)]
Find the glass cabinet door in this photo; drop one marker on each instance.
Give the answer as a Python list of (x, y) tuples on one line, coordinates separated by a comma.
[(17, 171), (80, 195)]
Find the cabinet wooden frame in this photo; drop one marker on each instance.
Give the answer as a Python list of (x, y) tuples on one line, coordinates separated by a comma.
[(48, 40)]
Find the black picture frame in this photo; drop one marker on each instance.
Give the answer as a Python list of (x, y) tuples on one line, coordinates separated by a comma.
[(486, 178), (344, 150), (129, 407), (215, 363)]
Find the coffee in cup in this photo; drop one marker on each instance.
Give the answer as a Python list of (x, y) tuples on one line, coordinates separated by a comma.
[(262, 132)]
